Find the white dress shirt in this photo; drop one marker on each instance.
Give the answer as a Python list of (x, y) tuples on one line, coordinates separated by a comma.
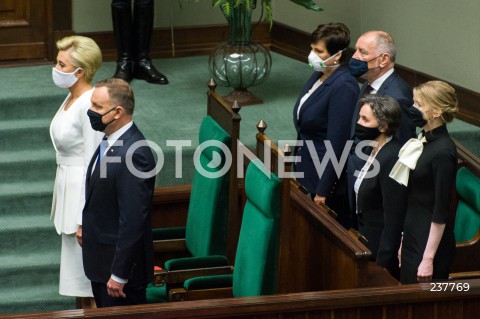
[(378, 82)]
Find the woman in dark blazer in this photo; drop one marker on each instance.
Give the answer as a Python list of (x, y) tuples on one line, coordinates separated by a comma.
[(321, 117), (381, 201), (428, 243)]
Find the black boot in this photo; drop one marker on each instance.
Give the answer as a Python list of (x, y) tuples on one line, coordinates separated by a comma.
[(124, 69), (145, 70), (143, 24), (123, 31)]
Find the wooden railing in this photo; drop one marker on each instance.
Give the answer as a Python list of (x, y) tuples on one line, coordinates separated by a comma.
[(408, 301), (316, 252)]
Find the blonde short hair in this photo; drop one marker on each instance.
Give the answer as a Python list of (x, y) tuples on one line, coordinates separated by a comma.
[(84, 53), (439, 95)]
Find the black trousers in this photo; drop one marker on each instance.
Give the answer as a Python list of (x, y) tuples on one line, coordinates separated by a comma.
[(135, 295)]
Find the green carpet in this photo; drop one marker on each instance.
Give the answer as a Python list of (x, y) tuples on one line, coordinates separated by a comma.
[(29, 245)]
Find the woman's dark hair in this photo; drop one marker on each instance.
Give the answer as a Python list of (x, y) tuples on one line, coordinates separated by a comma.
[(386, 109), (335, 35)]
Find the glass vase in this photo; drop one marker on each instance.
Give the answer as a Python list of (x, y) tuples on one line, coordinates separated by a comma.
[(239, 62)]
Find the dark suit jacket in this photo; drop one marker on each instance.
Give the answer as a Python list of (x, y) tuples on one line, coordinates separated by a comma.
[(324, 117), (394, 86), (117, 231), (382, 204)]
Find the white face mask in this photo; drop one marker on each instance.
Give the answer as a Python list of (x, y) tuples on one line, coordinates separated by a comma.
[(318, 64), (64, 80)]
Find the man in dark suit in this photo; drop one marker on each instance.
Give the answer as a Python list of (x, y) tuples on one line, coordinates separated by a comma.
[(374, 61), (117, 236)]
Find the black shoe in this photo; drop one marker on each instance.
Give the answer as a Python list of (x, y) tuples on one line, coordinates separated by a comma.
[(145, 70), (124, 70)]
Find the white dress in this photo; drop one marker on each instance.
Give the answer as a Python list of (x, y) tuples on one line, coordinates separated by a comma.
[(75, 142)]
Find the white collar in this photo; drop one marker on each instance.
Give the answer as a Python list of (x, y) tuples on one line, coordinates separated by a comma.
[(378, 82), (112, 138)]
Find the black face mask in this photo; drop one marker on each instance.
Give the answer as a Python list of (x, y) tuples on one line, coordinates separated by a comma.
[(96, 120), (357, 67), (366, 133), (417, 117)]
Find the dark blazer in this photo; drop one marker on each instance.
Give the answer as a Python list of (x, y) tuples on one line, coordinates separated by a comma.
[(394, 86), (117, 231), (324, 117), (382, 204)]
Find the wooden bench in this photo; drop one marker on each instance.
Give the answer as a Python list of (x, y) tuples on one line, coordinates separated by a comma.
[(316, 252), (170, 204), (464, 263)]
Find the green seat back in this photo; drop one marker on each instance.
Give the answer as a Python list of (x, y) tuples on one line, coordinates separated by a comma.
[(255, 269), (206, 229), (208, 209), (467, 220)]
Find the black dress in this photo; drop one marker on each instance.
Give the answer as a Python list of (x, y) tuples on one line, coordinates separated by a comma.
[(381, 205), (430, 190)]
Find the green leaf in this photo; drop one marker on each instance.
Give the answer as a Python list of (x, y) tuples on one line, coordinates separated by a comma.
[(309, 4), (228, 5)]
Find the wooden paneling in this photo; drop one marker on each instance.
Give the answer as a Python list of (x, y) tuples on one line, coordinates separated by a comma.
[(23, 29), (29, 29), (13, 13), (290, 42), (186, 41), (170, 206)]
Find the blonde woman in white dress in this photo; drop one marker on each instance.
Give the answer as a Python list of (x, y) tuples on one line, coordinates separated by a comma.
[(75, 142)]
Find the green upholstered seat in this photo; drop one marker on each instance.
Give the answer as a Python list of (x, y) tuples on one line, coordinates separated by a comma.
[(256, 260), (467, 220), (156, 294), (206, 229)]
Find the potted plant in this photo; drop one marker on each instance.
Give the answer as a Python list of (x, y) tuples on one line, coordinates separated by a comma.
[(240, 62), (228, 7)]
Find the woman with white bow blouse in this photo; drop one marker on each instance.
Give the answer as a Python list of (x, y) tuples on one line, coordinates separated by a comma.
[(428, 241)]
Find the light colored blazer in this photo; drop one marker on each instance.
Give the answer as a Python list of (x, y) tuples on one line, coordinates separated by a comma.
[(75, 142)]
